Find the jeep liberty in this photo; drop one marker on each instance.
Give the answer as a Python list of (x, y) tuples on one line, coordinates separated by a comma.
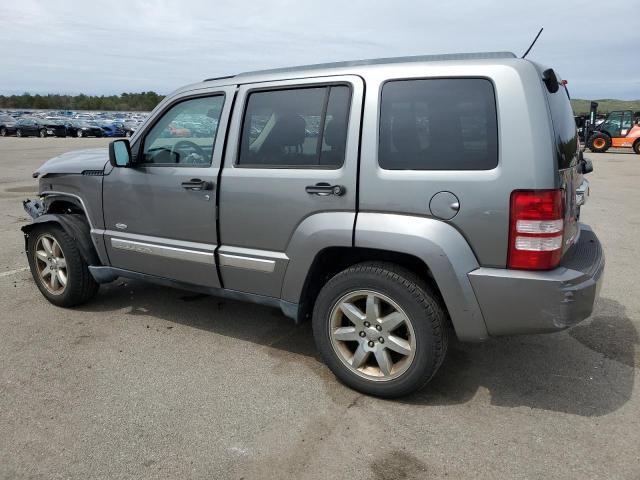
[(393, 202)]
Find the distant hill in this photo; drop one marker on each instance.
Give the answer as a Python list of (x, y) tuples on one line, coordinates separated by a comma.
[(605, 105)]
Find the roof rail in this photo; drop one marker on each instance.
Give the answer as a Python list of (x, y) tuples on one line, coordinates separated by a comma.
[(218, 78), (390, 60), (379, 61)]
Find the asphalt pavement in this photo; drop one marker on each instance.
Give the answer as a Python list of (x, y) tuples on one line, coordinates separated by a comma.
[(150, 382)]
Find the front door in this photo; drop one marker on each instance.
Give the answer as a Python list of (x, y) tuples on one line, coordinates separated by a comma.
[(291, 162), (160, 214)]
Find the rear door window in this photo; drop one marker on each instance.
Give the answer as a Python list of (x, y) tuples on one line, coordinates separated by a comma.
[(438, 124), (296, 128)]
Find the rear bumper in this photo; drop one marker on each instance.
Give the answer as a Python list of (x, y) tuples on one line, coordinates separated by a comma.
[(517, 301)]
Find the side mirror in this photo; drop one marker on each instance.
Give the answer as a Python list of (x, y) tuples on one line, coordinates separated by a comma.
[(120, 153)]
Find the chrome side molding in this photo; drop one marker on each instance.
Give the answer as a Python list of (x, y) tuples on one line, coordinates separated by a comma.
[(164, 251)]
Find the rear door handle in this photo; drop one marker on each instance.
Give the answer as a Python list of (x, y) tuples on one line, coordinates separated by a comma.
[(197, 184), (326, 189)]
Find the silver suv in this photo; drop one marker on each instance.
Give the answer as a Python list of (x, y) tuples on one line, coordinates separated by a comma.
[(394, 202)]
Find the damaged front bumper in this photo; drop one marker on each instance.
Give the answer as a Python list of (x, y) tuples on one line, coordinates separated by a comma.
[(518, 301)]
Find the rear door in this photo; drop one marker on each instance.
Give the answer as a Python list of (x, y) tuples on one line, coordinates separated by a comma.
[(292, 154)]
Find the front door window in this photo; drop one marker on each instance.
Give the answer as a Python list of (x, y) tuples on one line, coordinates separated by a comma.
[(185, 134)]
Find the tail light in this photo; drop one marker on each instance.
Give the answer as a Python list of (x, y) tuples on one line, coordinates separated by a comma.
[(536, 229)]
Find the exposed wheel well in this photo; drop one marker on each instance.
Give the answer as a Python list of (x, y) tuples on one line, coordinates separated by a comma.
[(66, 205), (332, 260)]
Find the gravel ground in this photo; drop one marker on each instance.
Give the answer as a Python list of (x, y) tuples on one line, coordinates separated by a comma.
[(148, 382)]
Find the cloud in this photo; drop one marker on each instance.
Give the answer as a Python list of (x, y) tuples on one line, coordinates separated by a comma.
[(110, 47)]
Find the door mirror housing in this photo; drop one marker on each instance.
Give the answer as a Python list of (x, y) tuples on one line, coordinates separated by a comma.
[(120, 153)]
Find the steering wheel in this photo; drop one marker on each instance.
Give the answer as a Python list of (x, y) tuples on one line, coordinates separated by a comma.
[(179, 150)]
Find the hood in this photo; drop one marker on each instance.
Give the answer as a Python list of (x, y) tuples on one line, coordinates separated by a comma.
[(75, 162)]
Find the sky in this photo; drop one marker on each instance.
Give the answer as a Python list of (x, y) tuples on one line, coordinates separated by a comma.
[(113, 46)]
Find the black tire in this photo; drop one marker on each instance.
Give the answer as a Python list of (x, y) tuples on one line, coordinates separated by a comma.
[(413, 295), (3, 132), (636, 147), (43, 133), (18, 133), (81, 286), (599, 142)]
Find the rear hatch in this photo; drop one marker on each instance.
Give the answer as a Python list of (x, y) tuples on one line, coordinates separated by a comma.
[(567, 148)]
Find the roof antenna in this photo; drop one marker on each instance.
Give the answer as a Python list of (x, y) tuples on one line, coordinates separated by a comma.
[(532, 43)]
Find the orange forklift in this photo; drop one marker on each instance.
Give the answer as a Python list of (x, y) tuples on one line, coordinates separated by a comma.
[(621, 129)]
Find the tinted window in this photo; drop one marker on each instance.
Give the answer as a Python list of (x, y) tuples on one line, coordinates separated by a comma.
[(438, 124), (185, 134), (305, 127), (564, 127)]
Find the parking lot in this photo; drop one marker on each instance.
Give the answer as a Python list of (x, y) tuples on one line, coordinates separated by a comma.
[(149, 382)]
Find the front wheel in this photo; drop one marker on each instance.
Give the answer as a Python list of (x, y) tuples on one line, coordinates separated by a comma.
[(636, 147), (57, 267), (380, 329), (79, 133), (18, 133), (43, 133), (3, 132)]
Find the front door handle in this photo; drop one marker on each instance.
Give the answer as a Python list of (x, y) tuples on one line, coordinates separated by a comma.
[(197, 184), (326, 189)]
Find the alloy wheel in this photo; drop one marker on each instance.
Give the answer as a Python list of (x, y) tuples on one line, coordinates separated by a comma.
[(51, 264), (372, 335)]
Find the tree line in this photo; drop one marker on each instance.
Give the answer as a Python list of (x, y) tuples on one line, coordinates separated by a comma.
[(144, 101)]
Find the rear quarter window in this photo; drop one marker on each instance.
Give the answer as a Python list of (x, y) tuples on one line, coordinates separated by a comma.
[(564, 127), (438, 124)]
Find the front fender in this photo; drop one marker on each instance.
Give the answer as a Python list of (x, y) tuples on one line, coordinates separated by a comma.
[(75, 226), (443, 249)]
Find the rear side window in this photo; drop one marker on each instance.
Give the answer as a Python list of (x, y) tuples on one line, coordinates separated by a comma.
[(438, 124), (296, 128), (564, 126)]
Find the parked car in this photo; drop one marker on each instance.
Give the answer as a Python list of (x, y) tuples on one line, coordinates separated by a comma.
[(32, 126), (445, 202), (112, 129), (7, 125), (80, 128)]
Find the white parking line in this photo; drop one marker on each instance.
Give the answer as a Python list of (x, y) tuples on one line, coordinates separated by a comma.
[(11, 272)]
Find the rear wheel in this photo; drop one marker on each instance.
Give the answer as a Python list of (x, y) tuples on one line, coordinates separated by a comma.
[(43, 133), (3, 132), (599, 142), (18, 133), (380, 329), (57, 267), (636, 147), (79, 133)]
